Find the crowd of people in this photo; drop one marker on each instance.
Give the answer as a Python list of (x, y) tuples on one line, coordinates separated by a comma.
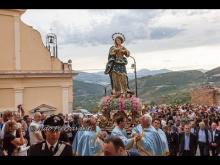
[(202, 123), (181, 130)]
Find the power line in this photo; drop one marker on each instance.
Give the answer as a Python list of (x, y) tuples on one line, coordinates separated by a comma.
[(95, 69), (88, 69), (101, 69)]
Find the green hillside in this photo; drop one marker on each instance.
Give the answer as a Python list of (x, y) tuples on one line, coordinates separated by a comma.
[(213, 72), (214, 75), (87, 95), (169, 88)]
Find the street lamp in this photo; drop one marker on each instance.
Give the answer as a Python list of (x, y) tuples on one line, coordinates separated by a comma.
[(105, 87), (135, 74)]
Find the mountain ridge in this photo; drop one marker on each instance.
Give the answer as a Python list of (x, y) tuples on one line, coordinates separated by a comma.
[(172, 87)]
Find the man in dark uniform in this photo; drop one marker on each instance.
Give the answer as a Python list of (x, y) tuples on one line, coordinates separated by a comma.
[(52, 146)]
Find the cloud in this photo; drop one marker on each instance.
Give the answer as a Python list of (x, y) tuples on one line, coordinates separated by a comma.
[(154, 36), (154, 29), (164, 32), (134, 24)]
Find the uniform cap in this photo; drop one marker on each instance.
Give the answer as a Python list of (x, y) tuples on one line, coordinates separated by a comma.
[(54, 121)]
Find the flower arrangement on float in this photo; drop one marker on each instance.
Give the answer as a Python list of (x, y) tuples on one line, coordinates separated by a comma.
[(132, 104)]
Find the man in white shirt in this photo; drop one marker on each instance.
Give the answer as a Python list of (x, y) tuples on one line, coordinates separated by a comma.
[(204, 139), (35, 130)]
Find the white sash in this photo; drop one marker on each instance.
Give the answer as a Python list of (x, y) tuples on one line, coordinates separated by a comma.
[(60, 150)]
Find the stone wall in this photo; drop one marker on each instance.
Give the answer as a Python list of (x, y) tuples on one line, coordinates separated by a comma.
[(205, 96)]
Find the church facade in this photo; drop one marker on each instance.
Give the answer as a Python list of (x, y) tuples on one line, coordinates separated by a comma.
[(29, 75)]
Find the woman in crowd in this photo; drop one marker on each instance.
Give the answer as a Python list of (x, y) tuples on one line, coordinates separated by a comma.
[(11, 144)]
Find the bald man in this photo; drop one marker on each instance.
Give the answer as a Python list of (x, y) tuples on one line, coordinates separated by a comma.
[(35, 130)]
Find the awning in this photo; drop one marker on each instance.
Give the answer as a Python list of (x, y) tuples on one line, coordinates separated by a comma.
[(43, 108)]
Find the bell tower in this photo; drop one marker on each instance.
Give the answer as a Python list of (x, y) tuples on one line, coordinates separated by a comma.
[(51, 44)]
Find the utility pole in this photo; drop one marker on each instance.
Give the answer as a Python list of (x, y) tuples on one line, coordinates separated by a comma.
[(135, 74)]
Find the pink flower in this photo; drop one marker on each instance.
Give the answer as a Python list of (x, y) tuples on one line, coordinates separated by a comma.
[(106, 102), (135, 102), (121, 104)]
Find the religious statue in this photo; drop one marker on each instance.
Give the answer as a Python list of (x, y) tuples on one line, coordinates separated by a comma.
[(122, 101), (116, 67)]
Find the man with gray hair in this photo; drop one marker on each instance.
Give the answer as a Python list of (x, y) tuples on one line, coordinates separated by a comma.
[(204, 139), (148, 118), (138, 129), (150, 143)]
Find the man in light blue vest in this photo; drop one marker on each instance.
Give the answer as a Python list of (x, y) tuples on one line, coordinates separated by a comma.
[(157, 125), (78, 135), (88, 143), (120, 132), (150, 143)]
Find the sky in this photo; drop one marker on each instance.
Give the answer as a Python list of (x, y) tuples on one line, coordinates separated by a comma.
[(157, 39)]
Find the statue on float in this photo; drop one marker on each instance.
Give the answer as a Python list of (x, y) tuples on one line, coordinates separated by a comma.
[(122, 100)]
